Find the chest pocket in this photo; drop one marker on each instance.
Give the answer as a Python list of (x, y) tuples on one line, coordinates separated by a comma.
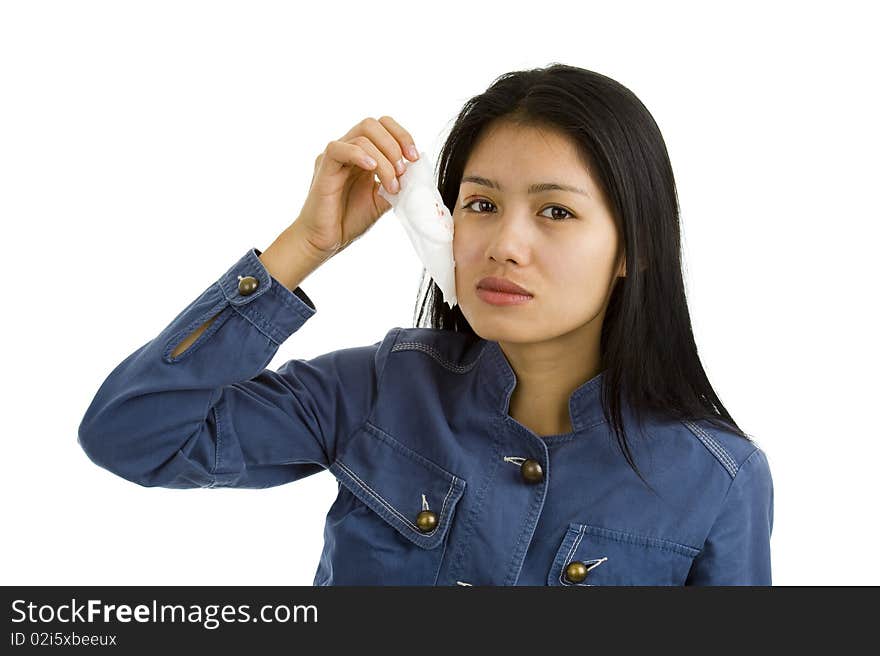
[(410, 504), (591, 555)]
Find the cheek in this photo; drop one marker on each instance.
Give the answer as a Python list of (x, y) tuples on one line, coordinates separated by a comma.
[(581, 264), (464, 247)]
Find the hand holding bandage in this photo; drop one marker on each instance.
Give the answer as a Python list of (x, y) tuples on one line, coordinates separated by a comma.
[(427, 221)]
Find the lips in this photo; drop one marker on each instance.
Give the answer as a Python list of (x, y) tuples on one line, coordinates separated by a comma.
[(502, 285)]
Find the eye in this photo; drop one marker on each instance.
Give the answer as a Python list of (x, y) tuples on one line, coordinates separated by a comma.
[(467, 206), (567, 215), (557, 218)]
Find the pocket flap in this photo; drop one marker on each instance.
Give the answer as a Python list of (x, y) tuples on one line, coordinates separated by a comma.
[(612, 557), (391, 478)]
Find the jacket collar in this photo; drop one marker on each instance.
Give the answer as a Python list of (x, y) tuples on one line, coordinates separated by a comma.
[(497, 376)]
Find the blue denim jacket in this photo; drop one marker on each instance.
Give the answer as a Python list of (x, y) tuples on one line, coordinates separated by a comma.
[(415, 427)]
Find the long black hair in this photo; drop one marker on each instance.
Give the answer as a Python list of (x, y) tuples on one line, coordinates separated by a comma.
[(649, 357)]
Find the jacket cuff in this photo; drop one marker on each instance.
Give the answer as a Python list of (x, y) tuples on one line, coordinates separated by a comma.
[(269, 305)]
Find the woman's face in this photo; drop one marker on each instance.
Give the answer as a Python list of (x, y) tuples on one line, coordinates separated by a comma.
[(561, 246)]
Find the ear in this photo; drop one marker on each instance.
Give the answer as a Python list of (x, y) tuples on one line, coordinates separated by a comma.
[(621, 270)]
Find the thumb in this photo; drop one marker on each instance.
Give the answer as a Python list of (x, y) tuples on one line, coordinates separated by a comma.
[(381, 204)]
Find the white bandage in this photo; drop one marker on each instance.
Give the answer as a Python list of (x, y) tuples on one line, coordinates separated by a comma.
[(427, 221)]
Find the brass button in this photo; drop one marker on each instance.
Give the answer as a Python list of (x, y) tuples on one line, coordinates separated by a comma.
[(576, 571), (531, 471), (426, 521), (247, 285)]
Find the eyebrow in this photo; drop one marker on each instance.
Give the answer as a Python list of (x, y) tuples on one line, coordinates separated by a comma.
[(533, 189)]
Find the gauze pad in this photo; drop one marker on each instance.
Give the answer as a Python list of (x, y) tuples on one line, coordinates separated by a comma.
[(427, 221)]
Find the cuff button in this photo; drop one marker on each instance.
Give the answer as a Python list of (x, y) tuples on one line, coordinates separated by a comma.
[(247, 285)]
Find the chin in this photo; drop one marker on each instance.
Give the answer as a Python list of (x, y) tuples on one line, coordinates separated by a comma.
[(503, 330)]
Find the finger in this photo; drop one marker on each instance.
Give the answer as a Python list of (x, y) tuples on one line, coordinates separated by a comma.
[(339, 154), (403, 137), (384, 140), (385, 169)]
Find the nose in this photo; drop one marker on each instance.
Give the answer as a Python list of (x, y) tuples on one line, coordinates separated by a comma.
[(509, 239)]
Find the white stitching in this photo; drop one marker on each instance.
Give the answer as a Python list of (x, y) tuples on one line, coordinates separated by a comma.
[(392, 508), (386, 503), (723, 456), (434, 353), (218, 446), (726, 455), (596, 561), (581, 532)]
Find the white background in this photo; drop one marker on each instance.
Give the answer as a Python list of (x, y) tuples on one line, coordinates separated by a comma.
[(146, 146)]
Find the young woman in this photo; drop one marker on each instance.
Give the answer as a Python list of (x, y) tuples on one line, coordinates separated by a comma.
[(554, 428)]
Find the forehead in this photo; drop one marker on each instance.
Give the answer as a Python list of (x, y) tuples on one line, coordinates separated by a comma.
[(513, 152)]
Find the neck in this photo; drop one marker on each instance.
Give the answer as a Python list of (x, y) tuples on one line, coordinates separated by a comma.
[(547, 373)]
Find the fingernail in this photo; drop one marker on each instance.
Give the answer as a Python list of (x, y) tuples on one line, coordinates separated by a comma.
[(401, 167), (394, 186), (411, 153)]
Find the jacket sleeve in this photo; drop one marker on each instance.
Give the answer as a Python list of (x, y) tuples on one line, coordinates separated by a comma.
[(214, 416), (737, 550)]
